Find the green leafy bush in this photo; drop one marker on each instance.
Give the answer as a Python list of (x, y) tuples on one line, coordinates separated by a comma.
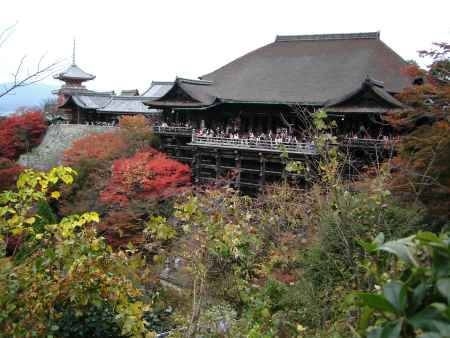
[(414, 297)]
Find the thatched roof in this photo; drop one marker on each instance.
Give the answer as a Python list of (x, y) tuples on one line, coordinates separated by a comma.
[(301, 69)]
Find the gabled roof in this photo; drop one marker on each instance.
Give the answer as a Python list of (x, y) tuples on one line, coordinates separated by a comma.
[(369, 97), (74, 73), (309, 69), (185, 93), (158, 89)]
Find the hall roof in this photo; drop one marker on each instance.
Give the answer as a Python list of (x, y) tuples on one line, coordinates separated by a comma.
[(305, 69), (158, 89), (110, 103)]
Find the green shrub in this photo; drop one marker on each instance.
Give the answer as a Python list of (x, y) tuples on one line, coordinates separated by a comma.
[(414, 297)]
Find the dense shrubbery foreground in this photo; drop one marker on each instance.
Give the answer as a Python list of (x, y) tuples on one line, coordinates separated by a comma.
[(283, 265)]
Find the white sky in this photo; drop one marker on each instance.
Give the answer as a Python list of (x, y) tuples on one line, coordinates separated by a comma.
[(127, 44)]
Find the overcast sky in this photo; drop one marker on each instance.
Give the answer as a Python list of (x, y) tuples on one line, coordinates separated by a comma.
[(127, 44)]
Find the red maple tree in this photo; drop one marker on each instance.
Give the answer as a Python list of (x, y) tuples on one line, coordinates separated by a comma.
[(19, 133), (147, 174)]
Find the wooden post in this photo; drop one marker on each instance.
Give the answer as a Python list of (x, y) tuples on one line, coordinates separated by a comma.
[(283, 171), (217, 163), (196, 159), (238, 168), (262, 171)]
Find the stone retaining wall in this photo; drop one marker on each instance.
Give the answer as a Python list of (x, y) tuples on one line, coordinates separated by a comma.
[(58, 138)]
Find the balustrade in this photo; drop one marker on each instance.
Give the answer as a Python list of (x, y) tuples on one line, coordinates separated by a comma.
[(255, 144), (172, 130)]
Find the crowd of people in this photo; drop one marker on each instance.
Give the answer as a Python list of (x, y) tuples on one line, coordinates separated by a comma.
[(280, 136)]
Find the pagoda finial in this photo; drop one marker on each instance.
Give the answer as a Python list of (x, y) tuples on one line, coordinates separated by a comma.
[(73, 52)]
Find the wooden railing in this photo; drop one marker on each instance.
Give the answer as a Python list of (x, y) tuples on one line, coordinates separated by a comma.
[(367, 142), (172, 130), (247, 143), (254, 144)]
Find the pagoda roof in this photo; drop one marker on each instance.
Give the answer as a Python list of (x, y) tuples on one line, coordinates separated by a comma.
[(74, 73), (299, 69)]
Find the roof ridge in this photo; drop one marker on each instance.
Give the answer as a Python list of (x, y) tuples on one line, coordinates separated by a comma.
[(318, 37), (162, 82), (193, 81)]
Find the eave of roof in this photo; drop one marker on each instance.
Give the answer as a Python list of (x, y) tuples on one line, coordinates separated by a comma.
[(368, 84), (74, 73)]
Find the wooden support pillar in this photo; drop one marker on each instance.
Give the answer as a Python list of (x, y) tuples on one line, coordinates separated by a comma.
[(238, 168), (283, 171), (196, 159), (262, 171), (252, 123), (178, 145), (217, 164)]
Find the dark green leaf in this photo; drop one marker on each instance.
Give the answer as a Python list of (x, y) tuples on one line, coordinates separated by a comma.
[(441, 263), (419, 294), (442, 327), (443, 285), (375, 333), (395, 293), (424, 319), (431, 335), (392, 329), (377, 302)]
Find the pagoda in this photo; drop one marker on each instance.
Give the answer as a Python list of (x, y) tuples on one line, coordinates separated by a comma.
[(73, 78)]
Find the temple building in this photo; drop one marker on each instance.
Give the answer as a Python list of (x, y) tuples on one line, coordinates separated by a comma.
[(265, 96), (240, 119), (346, 74), (81, 105)]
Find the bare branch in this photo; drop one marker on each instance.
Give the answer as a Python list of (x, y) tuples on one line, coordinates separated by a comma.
[(30, 77)]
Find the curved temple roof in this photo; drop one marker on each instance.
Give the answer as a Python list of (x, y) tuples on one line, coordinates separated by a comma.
[(74, 73), (300, 69), (310, 69), (111, 103)]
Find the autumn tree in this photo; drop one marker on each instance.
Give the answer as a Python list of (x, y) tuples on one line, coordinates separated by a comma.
[(19, 133), (422, 167), (137, 132), (147, 174)]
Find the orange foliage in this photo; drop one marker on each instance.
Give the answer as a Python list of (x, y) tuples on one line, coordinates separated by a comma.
[(147, 174), (137, 131), (421, 169), (19, 133), (101, 146), (413, 71)]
